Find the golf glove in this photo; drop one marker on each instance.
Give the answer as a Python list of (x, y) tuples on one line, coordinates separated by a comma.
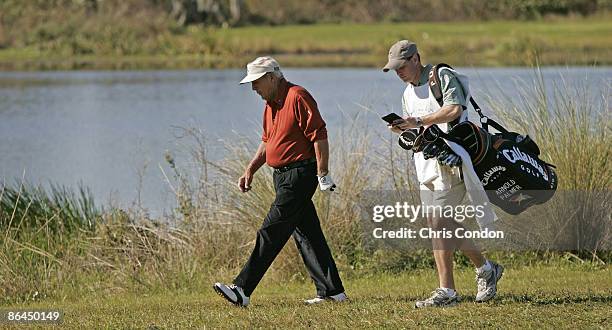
[(326, 183)]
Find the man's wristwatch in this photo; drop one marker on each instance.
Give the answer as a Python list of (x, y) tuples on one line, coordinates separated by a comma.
[(418, 122)]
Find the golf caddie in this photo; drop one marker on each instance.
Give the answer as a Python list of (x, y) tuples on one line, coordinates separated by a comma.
[(441, 182), (294, 143)]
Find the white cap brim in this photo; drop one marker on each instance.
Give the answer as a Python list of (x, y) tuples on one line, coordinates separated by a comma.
[(252, 77)]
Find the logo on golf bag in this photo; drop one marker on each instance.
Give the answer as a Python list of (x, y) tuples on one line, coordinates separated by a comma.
[(520, 197), (488, 175), (513, 155)]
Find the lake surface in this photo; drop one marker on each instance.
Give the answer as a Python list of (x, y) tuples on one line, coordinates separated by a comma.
[(103, 128)]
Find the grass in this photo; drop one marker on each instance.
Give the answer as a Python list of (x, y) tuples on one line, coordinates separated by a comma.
[(544, 296), (475, 43), (568, 41), (58, 209)]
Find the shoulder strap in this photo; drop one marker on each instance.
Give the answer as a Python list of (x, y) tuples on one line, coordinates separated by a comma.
[(434, 81), (436, 89), (486, 121)]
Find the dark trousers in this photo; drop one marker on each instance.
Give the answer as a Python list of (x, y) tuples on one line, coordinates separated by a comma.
[(293, 212)]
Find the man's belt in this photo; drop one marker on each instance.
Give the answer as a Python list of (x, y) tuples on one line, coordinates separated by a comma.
[(299, 163)]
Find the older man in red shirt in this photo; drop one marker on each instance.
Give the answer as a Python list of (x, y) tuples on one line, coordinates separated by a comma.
[(294, 143)]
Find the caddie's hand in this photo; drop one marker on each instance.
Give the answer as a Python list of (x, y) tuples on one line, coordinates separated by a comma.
[(394, 126), (326, 183), (244, 183), (400, 125)]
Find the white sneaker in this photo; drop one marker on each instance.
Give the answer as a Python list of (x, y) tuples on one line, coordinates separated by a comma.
[(487, 282), (439, 298), (340, 297), (232, 293)]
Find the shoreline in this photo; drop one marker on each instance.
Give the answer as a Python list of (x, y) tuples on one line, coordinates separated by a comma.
[(197, 62), (564, 42)]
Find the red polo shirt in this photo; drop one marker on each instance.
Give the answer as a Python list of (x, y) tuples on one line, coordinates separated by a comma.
[(290, 126)]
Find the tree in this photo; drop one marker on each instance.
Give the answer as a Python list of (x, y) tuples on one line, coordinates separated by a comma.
[(210, 12)]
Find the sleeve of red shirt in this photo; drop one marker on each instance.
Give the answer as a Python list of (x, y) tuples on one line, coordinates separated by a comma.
[(308, 117)]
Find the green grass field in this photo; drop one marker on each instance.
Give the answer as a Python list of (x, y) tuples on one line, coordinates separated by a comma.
[(569, 41), (577, 296), (478, 43)]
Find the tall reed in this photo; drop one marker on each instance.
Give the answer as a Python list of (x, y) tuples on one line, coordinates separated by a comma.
[(572, 126)]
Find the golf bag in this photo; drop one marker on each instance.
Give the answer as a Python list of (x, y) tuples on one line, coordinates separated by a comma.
[(507, 163)]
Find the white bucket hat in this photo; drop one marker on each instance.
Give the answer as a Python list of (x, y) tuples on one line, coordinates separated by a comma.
[(259, 67)]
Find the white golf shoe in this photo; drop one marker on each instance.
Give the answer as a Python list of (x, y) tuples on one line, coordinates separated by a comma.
[(232, 293), (340, 297)]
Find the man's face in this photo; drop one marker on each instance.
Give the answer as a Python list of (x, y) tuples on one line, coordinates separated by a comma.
[(409, 72), (265, 87)]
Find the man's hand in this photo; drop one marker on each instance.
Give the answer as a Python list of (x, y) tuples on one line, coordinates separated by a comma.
[(326, 183), (400, 125), (244, 183)]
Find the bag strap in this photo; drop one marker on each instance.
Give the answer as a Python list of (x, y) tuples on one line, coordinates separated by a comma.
[(436, 86), (486, 121), (436, 89), (434, 82)]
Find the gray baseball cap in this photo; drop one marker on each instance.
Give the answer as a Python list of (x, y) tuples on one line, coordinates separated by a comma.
[(399, 53)]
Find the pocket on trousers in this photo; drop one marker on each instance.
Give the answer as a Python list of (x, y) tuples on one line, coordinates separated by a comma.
[(306, 171), (285, 188), (301, 172)]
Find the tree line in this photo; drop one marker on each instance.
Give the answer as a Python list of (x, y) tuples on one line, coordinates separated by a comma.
[(275, 12)]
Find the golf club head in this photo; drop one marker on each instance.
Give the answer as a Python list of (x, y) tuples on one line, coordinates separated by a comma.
[(407, 138)]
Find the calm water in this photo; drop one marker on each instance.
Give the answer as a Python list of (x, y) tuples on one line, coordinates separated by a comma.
[(104, 128)]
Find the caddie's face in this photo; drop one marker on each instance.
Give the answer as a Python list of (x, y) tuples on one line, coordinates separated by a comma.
[(264, 86), (409, 72)]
